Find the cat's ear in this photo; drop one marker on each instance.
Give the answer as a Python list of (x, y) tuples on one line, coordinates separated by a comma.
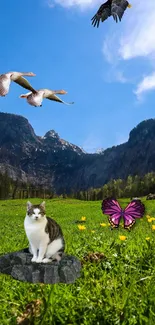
[(42, 204), (29, 205)]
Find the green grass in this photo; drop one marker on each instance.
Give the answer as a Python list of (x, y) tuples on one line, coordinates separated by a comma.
[(118, 290)]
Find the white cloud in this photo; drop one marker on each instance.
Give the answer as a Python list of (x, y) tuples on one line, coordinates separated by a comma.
[(134, 38), (135, 35), (138, 38), (147, 84), (83, 4)]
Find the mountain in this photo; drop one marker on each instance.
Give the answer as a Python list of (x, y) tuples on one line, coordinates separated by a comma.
[(58, 164)]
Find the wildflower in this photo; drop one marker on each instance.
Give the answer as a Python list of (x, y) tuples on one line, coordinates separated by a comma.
[(148, 216), (81, 227), (149, 220), (153, 227), (147, 238), (83, 218), (122, 237), (103, 224)]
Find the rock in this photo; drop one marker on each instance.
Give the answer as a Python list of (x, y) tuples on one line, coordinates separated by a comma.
[(19, 266), (150, 197)]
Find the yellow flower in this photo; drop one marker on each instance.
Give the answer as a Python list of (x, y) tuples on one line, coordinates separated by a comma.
[(93, 231), (83, 218), (81, 227), (149, 220), (147, 238), (103, 224), (148, 217), (153, 227), (122, 237), (153, 219)]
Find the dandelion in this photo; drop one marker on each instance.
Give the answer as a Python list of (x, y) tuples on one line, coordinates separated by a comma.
[(153, 227), (103, 224), (81, 227), (149, 220), (122, 237), (83, 218), (147, 238), (148, 216)]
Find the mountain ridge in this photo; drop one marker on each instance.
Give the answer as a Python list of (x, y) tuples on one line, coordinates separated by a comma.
[(56, 163)]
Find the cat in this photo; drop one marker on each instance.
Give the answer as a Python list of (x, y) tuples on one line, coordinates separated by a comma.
[(46, 241)]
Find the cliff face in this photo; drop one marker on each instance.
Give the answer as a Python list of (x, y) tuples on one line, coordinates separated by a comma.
[(57, 163)]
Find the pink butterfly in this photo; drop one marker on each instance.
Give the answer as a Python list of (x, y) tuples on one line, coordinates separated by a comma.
[(135, 209)]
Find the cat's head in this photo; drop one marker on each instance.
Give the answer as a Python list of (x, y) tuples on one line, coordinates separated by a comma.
[(37, 211)]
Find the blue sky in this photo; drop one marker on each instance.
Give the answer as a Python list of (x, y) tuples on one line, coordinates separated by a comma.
[(108, 72)]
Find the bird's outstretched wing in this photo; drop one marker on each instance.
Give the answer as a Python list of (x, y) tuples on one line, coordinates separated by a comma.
[(57, 99), (102, 14), (118, 8), (49, 95), (24, 83)]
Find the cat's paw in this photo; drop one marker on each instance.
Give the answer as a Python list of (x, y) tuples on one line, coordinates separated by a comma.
[(57, 257), (39, 260), (46, 260), (34, 259)]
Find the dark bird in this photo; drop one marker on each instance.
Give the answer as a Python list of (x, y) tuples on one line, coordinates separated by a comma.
[(113, 8)]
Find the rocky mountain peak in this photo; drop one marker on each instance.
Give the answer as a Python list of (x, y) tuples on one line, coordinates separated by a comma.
[(51, 134)]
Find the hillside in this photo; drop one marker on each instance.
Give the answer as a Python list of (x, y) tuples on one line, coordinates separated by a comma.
[(60, 165)]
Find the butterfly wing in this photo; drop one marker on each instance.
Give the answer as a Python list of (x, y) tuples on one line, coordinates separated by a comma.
[(112, 208), (135, 209)]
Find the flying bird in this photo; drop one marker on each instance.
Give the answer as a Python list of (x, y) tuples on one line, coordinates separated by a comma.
[(115, 8), (6, 78), (35, 98)]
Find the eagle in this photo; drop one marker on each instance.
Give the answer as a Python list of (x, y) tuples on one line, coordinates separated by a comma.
[(113, 8)]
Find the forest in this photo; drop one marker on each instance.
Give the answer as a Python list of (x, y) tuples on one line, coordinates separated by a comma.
[(133, 186)]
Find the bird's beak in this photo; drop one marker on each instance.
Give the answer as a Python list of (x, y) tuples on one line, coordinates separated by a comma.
[(129, 5), (33, 74), (22, 96), (63, 92)]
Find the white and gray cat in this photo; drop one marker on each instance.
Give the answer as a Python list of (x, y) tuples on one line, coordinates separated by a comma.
[(46, 241)]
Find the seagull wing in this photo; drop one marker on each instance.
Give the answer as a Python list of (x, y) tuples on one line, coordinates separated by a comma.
[(24, 83), (49, 95)]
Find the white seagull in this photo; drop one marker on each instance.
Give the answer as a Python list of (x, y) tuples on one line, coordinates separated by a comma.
[(6, 78), (36, 97)]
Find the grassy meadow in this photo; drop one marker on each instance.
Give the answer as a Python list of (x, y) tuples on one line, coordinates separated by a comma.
[(120, 289)]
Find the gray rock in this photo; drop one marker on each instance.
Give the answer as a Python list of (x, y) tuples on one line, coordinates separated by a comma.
[(19, 266)]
